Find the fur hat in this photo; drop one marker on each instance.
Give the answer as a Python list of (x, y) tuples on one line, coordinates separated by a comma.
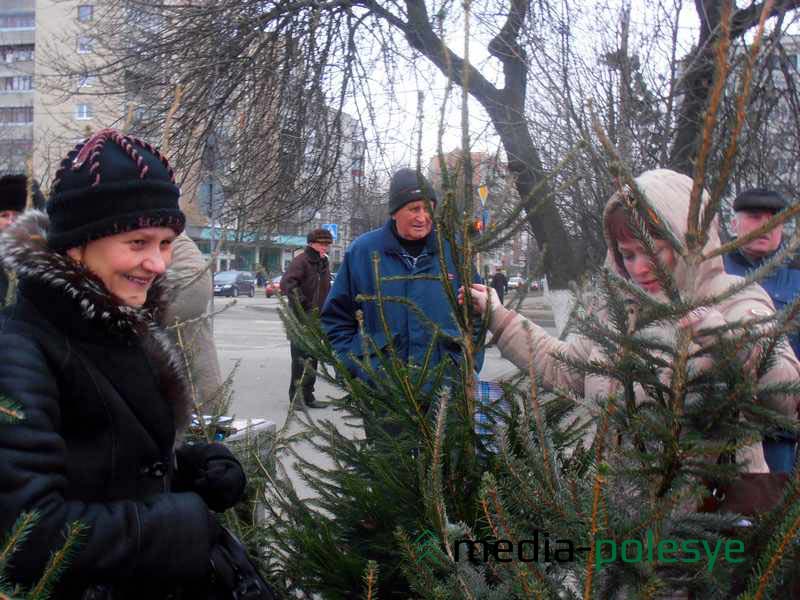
[(13, 192), (322, 236), (407, 186), (109, 184), (759, 199)]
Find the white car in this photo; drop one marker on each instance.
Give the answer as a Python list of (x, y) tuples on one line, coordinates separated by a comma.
[(515, 281)]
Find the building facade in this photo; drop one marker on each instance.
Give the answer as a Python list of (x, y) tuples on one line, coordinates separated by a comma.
[(17, 48), (494, 195), (51, 97)]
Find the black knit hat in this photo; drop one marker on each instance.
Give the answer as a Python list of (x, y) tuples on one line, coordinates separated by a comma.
[(109, 184), (13, 192), (759, 199), (323, 236), (407, 186)]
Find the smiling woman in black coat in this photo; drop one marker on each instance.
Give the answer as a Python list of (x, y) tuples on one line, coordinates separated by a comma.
[(83, 354)]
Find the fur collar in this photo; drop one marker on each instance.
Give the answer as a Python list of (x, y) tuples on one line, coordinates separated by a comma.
[(24, 250)]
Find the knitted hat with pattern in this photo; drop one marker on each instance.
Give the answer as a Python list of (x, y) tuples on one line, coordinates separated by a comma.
[(109, 184), (408, 185)]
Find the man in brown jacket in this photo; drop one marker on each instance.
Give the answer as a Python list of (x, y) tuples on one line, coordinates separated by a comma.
[(306, 284)]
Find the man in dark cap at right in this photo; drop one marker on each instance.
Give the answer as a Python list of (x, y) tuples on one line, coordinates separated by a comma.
[(752, 209), (13, 198)]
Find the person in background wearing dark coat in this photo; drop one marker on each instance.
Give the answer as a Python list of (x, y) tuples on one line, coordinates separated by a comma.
[(13, 198), (306, 284), (500, 282), (753, 208), (84, 355)]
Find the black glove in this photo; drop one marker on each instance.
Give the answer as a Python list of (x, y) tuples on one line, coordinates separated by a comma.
[(211, 471)]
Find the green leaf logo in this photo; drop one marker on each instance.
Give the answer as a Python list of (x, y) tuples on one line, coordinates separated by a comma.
[(429, 547)]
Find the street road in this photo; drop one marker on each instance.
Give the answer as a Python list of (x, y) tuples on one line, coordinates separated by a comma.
[(251, 333)]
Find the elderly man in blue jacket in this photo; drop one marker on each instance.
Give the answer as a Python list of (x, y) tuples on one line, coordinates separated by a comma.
[(753, 208), (406, 246)]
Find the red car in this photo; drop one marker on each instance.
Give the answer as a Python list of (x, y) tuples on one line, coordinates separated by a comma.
[(273, 287)]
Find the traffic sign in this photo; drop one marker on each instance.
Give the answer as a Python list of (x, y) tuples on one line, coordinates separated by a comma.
[(333, 228)]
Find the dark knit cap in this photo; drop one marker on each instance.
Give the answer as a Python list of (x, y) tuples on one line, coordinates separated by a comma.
[(13, 192), (109, 184), (322, 236), (407, 186), (759, 199)]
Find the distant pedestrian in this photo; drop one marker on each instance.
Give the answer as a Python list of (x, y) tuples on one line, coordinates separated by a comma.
[(500, 282), (13, 198), (752, 209), (306, 284)]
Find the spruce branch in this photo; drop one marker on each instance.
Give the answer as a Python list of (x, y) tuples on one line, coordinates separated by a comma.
[(725, 170), (722, 68), (371, 581), (10, 411), (58, 562)]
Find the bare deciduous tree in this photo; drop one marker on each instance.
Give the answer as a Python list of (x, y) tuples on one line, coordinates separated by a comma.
[(268, 81)]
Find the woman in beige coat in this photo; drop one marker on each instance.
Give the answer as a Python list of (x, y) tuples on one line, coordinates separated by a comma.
[(667, 194)]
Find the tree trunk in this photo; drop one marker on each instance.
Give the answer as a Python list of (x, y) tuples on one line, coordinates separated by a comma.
[(700, 73), (506, 109)]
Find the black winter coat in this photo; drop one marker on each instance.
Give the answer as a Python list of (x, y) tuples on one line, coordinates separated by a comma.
[(3, 286), (102, 397)]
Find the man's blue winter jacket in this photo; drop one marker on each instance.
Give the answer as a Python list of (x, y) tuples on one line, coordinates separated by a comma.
[(411, 335), (782, 285)]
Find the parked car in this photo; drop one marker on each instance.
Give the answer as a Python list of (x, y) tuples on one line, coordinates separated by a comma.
[(515, 281), (273, 287), (233, 283)]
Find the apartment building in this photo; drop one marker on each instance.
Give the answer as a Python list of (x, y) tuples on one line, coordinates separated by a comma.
[(70, 100), (52, 96), (17, 44)]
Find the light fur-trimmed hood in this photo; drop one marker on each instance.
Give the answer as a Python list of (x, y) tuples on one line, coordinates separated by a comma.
[(667, 196)]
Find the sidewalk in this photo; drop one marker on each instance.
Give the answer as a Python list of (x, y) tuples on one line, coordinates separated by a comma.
[(536, 308)]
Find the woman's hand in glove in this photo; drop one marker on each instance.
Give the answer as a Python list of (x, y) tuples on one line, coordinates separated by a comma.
[(211, 471)]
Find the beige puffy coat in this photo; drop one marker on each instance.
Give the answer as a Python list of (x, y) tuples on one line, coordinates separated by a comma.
[(191, 294), (667, 193)]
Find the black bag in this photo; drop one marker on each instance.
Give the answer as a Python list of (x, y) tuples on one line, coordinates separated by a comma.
[(235, 577)]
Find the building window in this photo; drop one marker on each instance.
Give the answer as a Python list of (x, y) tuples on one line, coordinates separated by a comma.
[(85, 13), (10, 54), (84, 44), (18, 83), (16, 115), (18, 21), (83, 112), (86, 80)]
